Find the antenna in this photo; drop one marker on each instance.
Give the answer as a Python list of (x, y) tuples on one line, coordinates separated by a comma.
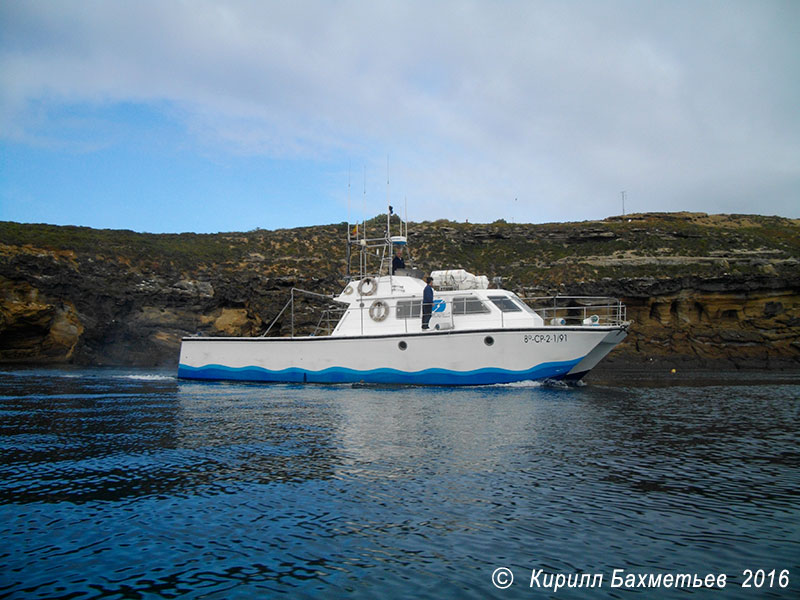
[(349, 177), (623, 202), (362, 261), (364, 213), (405, 214), (389, 209)]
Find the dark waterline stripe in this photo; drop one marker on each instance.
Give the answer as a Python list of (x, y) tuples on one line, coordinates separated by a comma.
[(552, 370)]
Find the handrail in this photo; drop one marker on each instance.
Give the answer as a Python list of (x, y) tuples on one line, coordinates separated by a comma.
[(330, 320), (290, 303), (554, 310), (275, 320), (603, 310)]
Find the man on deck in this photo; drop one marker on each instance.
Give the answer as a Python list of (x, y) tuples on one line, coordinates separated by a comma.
[(427, 302), (397, 261)]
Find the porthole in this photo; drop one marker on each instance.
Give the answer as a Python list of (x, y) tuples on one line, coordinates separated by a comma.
[(488, 340), (402, 345)]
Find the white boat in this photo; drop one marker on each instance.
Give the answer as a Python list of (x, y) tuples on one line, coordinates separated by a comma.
[(477, 335)]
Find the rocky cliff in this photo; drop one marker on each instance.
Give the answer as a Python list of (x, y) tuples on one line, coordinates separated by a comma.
[(702, 288)]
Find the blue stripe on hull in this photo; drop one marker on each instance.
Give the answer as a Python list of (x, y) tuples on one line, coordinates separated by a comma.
[(553, 370)]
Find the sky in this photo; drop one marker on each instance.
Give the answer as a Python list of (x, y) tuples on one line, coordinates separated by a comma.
[(208, 116)]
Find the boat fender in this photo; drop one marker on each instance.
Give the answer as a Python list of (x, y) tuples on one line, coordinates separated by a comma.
[(369, 284), (378, 310)]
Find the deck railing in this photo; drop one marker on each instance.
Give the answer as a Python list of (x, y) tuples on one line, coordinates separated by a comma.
[(328, 320), (555, 311), (578, 310), (329, 316)]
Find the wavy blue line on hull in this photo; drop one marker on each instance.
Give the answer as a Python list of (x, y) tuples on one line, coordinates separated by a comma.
[(553, 370)]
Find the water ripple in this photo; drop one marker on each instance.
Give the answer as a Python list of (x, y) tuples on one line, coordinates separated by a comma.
[(133, 485)]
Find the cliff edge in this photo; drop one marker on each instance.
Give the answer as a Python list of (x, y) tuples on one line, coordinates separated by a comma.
[(700, 288)]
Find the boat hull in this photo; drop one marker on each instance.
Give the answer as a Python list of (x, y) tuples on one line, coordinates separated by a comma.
[(435, 358)]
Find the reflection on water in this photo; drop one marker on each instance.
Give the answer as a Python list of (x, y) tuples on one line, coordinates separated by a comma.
[(132, 484)]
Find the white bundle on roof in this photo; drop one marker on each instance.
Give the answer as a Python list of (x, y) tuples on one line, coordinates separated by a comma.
[(459, 279)]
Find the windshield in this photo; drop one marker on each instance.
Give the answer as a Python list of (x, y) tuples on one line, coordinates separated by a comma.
[(524, 306), (505, 304)]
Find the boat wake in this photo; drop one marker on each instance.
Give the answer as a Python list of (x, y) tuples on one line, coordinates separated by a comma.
[(518, 384), (558, 384), (148, 377)]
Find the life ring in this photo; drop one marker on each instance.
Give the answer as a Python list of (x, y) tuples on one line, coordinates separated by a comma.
[(378, 310), (370, 284), (348, 290)]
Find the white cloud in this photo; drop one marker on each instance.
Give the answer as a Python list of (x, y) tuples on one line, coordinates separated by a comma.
[(558, 104)]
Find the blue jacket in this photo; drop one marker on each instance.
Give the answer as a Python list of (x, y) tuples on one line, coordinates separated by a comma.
[(398, 263), (427, 295)]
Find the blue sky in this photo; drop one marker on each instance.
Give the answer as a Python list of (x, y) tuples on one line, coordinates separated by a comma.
[(169, 116)]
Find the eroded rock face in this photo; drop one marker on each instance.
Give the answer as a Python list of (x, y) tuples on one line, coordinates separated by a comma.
[(233, 321), (101, 310), (34, 327), (756, 326), (697, 287)]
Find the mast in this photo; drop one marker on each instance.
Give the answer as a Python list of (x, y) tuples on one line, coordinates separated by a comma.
[(347, 274), (363, 242), (388, 245), (379, 248)]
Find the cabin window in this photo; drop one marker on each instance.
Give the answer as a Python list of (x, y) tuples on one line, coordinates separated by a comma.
[(524, 306), (505, 304), (408, 309), (468, 305)]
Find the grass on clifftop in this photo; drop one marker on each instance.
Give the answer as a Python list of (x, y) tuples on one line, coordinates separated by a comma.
[(527, 253)]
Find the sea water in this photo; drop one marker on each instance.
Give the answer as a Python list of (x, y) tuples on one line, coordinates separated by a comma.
[(133, 484)]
